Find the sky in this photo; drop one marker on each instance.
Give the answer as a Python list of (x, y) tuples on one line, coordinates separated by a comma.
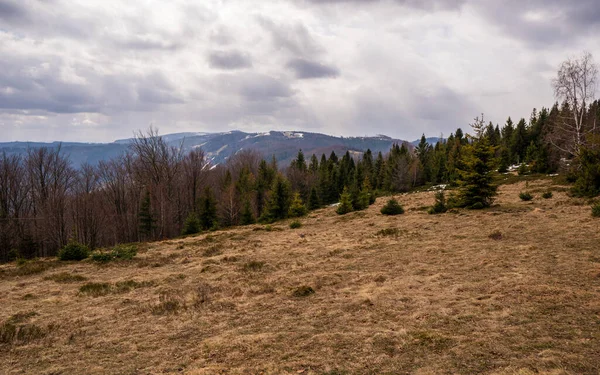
[(98, 70)]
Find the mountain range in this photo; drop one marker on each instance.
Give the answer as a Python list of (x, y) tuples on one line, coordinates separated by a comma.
[(284, 145)]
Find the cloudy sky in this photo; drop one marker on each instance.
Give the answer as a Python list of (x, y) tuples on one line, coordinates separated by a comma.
[(96, 70)]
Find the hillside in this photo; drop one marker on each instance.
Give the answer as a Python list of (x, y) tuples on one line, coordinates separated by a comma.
[(220, 146), (411, 294)]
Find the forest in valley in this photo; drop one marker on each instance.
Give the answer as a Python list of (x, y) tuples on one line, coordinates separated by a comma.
[(156, 191)]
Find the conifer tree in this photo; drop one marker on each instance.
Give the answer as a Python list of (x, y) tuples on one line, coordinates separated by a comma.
[(279, 200), (297, 207), (368, 189), (191, 224), (345, 205), (379, 172), (313, 199), (247, 216), (207, 208), (266, 174), (519, 141), (423, 151), (476, 188), (147, 220), (314, 164)]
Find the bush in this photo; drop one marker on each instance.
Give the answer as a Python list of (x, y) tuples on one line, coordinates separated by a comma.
[(303, 291), (95, 289), (523, 169), (119, 252), (74, 251), (191, 225), (392, 207), (495, 235), (596, 209), (392, 232), (525, 196), (125, 252), (295, 224), (547, 195), (65, 277), (440, 204)]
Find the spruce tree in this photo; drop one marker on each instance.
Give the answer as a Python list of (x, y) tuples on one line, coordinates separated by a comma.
[(345, 205), (476, 188), (297, 207), (191, 224), (247, 216), (146, 218), (313, 199), (279, 200), (207, 207)]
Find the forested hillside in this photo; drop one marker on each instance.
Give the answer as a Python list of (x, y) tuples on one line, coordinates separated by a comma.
[(150, 192)]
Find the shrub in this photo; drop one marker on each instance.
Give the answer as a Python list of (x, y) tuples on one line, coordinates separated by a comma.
[(253, 265), (31, 267), (119, 252), (393, 232), (74, 251), (295, 224), (102, 257), (95, 289), (495, 235), (440, 204), (303, 291), (596, 209), (392, 207), (65, 278), (525, 196), (523, 169), (169, 303), (547, 195), (191, 224), (125, 252), (9, 333)]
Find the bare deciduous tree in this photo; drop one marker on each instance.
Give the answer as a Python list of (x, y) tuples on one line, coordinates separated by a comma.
[(575, 85)]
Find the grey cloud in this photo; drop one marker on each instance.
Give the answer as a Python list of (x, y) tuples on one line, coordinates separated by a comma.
[(148, 44), (305, 69), (220, 35), (229, 60), (258, 87), (295, 39), (11, 11), (558, 22), (419, 4), (35, 84)]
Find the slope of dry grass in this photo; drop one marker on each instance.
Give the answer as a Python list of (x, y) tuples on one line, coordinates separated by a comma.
[(514, 289)]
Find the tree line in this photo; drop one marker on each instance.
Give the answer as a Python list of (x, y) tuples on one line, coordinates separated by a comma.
[(156, 191)]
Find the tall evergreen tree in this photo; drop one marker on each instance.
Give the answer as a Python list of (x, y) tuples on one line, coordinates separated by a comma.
[(279, 200), (146, 218), (207, 207), (476, 187)]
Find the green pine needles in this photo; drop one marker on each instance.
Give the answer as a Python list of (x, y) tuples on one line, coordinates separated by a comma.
[(392, 207)]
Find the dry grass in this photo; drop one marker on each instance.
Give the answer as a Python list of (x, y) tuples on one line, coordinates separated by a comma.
[(514, 289)]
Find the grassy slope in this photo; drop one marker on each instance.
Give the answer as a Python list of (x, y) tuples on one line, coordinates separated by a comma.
[(438, 296)]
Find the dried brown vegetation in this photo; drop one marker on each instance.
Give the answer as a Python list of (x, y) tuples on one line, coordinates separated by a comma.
[(439, 295)]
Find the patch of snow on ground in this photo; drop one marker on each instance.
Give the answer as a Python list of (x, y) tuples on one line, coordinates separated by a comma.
[(438, 187)]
